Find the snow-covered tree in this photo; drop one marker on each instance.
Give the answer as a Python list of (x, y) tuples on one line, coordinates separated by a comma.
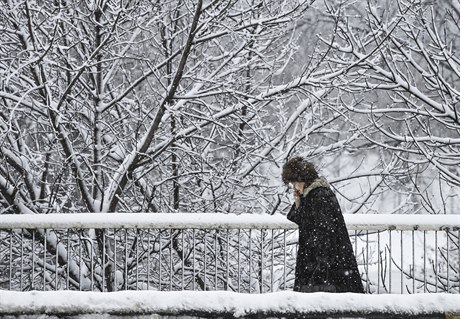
[(139, 106), (398, 85)]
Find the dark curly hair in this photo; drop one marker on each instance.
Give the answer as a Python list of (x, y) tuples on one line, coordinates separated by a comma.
[(298, 169)]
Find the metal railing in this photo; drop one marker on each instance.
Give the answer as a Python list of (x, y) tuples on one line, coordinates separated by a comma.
[(243, 253)]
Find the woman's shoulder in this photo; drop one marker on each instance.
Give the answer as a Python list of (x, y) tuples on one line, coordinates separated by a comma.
[(317, 184), (320, 191)]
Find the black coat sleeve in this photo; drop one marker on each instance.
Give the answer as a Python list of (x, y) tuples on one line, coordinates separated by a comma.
[(295, 215)]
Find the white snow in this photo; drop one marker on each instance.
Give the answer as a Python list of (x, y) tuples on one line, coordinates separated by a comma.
[(221, 221), (236, 304)]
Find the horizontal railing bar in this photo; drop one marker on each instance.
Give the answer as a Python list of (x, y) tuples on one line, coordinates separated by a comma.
[(372, 222)]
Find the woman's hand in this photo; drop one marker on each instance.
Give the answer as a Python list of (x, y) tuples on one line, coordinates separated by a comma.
[(298, 192), (297, 197)]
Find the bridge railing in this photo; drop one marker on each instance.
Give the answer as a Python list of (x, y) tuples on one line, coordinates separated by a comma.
[(242, 253)]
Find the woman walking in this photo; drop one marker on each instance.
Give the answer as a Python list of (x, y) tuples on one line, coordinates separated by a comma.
[(325, 259)]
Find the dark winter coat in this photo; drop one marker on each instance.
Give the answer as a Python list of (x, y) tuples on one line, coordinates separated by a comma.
[(325, 259)]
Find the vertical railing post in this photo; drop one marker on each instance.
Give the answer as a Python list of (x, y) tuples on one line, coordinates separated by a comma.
[(261, 261), (402, 262), (424, 261), (239, 261), (390, 263), (139, 239), (125, 279), (215, 259), (171, 271), (68, 261), (458, 252), (149, 252), (44, 258), (448, 260), (56, 264), (413, 261), (250, 260), (183, 260), (194, 260), (378, 261), (115, 264), (436, 260), (284, 259), (22, 260), (160, 257), (367, 262), (32, 286), (205, 259), (227, 267), (10, 281), (272, 260)]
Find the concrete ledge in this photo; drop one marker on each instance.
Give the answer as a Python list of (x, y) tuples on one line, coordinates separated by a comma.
[(224, 304)]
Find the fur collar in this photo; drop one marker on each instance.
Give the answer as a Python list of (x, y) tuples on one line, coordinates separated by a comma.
[(319, 182)]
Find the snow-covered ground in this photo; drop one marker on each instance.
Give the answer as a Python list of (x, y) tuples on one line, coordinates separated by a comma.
[(222, 302)]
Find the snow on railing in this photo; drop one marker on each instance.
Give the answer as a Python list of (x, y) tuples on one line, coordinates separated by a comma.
[(242, 253), (222, 221)]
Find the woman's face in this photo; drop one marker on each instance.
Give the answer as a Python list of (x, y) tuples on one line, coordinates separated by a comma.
[(298, 187)]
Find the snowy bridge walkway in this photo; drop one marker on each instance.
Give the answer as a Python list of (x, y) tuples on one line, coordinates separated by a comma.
[(227, 265), (224, 304)]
